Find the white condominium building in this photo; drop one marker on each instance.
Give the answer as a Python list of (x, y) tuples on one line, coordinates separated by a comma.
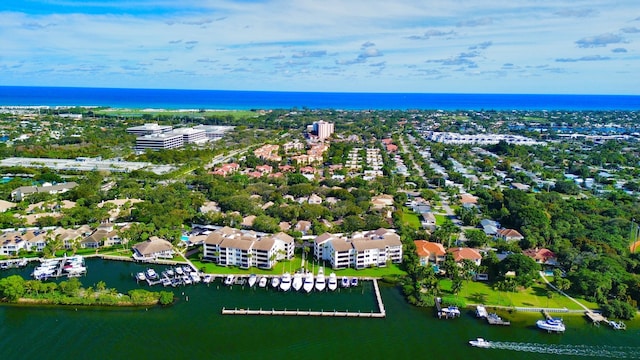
[(323, 129), (361, 250)]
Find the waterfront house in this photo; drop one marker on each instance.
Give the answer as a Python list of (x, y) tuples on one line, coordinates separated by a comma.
[(152, 249), (461, 253), (430, 252), (11, 243)]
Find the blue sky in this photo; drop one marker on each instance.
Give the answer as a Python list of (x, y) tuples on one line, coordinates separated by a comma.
[(455, 46)]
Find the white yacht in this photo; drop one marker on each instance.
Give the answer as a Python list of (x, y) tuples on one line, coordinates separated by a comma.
[(320, 281), (275, 282), (151, 274), (297, 281), (252, 280), (481, 311), (308, 282), (333, 281), (285, 282), (551, 325), (262, 282), (229, 280), (345, 282), (480, 342)]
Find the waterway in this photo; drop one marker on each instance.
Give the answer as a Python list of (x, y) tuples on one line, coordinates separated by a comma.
[(195, 328)]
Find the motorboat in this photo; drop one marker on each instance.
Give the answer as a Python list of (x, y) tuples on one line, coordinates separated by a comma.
[(152, 274), (252, 280), (354, 281), (207, 279), (262, 282), (275, 282), (480, 342), (481, 311), (308, 282), (551, 325), (186, 279), (179, 271), (345, 282), (333, 281), (229, 280), (618, 325), (170, 272), (285, 282), (321, 284), (141, 276), (297, 281), (166, 281), (195, 277)]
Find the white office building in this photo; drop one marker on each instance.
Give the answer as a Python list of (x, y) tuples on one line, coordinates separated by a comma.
[(149, 129), (191, 135), (160, 142)]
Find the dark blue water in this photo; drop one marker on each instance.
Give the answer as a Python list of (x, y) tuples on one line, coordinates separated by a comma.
[(245, 100)]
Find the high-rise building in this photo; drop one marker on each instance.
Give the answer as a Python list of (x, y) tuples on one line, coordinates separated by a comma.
[(323, 129)]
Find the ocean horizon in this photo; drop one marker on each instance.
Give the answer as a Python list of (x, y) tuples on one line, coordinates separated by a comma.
[(249, 100)]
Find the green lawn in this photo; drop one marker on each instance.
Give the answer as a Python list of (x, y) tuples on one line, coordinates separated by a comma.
[(440, 219), (535, 296), (410, 218), (292, 266)]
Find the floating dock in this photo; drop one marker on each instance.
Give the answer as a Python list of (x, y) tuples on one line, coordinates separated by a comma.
[(273, 312)]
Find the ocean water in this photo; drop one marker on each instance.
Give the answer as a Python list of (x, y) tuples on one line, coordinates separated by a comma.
[(245, 100), (195, 328)]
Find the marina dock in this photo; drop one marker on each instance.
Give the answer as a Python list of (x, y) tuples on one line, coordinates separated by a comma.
[(273, 312)]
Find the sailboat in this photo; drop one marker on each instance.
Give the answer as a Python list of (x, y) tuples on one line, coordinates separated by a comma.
[(320, 281), (333, 281)]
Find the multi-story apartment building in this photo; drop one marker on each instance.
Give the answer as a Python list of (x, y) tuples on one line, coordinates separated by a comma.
[(361, 250), (233, 247)]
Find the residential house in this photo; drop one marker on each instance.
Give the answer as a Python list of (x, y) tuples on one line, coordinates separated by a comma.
[(303, 226), (20, 193), (428, 221), (489, 227), (509, 235), (430, 252), (461, 253), (542, 256)]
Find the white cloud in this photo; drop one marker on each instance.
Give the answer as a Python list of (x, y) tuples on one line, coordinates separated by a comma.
[(249, 44)]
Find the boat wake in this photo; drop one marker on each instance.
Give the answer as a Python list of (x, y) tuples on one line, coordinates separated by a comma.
[(620, 352)]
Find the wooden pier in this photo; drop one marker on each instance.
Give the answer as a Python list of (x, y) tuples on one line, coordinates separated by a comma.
[(273, 312), (494, 319)]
